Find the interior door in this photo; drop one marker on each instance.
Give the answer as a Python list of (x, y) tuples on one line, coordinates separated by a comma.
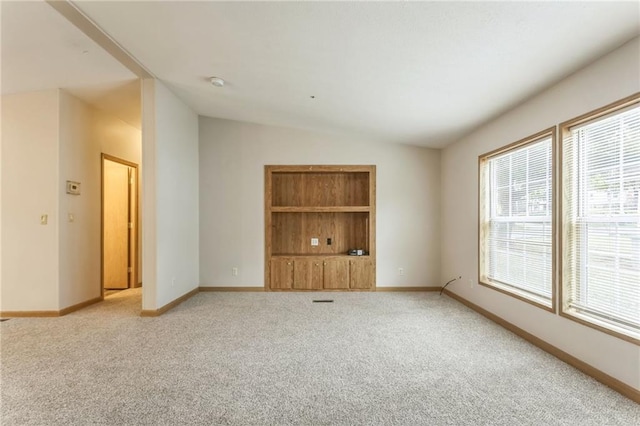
[(116, 220)]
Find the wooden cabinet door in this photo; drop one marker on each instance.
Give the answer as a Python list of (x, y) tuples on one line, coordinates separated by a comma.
[(307, 274), (361, 273), (281, 273), (336, 273)]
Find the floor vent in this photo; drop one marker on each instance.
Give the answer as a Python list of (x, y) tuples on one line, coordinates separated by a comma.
[(323, 301)]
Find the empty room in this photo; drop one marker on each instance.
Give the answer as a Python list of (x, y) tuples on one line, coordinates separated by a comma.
[(320, 213)]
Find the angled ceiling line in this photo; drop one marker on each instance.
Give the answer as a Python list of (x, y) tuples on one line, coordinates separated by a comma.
[(81, 21)]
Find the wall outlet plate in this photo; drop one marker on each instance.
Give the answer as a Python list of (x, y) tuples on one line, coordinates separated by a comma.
[(314, 242)]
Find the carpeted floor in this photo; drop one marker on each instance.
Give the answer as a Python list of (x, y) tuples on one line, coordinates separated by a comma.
[(279, 359)]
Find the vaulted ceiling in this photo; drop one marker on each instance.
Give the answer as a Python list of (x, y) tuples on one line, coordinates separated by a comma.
[(41, 50), (423, 73)]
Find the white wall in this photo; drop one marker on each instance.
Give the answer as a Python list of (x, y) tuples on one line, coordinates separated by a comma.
[(29, 189), (170, 197), (611, 78), (85, 133), (122, 140), (79, 241), (232, 159), (116, 137), (48, 138)]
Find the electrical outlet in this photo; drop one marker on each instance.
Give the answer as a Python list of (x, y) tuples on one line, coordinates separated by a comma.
[(401, 271), (315, 242), (234, 271)]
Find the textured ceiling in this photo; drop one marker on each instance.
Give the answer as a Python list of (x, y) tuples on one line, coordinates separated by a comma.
[(423, 73)]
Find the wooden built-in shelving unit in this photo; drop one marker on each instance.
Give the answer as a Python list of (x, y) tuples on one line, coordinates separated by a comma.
[(333, 204)]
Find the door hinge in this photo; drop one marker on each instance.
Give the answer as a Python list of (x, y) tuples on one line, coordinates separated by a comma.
[(129, 269), (130, 225), (130, 181)]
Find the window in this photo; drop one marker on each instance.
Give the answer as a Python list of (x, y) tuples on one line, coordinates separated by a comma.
[(601, 219), (516, 219)]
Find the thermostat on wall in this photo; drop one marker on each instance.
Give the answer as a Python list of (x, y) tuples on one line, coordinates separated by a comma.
[(73, 188)]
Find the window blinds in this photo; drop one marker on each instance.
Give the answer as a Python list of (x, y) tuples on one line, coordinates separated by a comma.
[(518, 217), (601, 220)]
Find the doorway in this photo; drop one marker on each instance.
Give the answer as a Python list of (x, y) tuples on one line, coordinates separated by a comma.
[(119, 224)]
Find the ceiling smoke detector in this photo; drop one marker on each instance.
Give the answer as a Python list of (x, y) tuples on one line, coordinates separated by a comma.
[(217, 81)]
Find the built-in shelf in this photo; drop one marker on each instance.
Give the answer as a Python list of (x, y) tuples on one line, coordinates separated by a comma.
[(321, 209), (314, 255), (313, 216)]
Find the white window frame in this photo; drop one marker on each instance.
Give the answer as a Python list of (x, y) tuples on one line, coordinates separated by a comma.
[(589, 317), (485, 218)]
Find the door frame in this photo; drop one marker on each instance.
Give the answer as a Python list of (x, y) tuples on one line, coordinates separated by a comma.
[(133, 275)]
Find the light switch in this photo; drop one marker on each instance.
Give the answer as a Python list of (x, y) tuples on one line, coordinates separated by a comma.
[(44, 219), (314, 242), (71, 218)]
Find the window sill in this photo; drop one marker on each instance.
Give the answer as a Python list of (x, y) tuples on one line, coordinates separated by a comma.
[(598, 324), (540, 302)]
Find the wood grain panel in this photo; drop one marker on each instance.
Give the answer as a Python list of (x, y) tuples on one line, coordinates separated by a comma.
[(358, 190), (116, 225), (336, 274), (268, 226), (307, 274), (291, 233), (133, 219), (133, 231), (320, 209), (323, 202), (361, 273), (281, 273), (288, 189), (359, 232), (282, 168), (317, 274), (315, 190), (322, 189), (371, 224), (287, 233), (302, 274)]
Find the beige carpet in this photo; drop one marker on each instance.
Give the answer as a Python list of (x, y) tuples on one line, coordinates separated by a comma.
[(279, 359)]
